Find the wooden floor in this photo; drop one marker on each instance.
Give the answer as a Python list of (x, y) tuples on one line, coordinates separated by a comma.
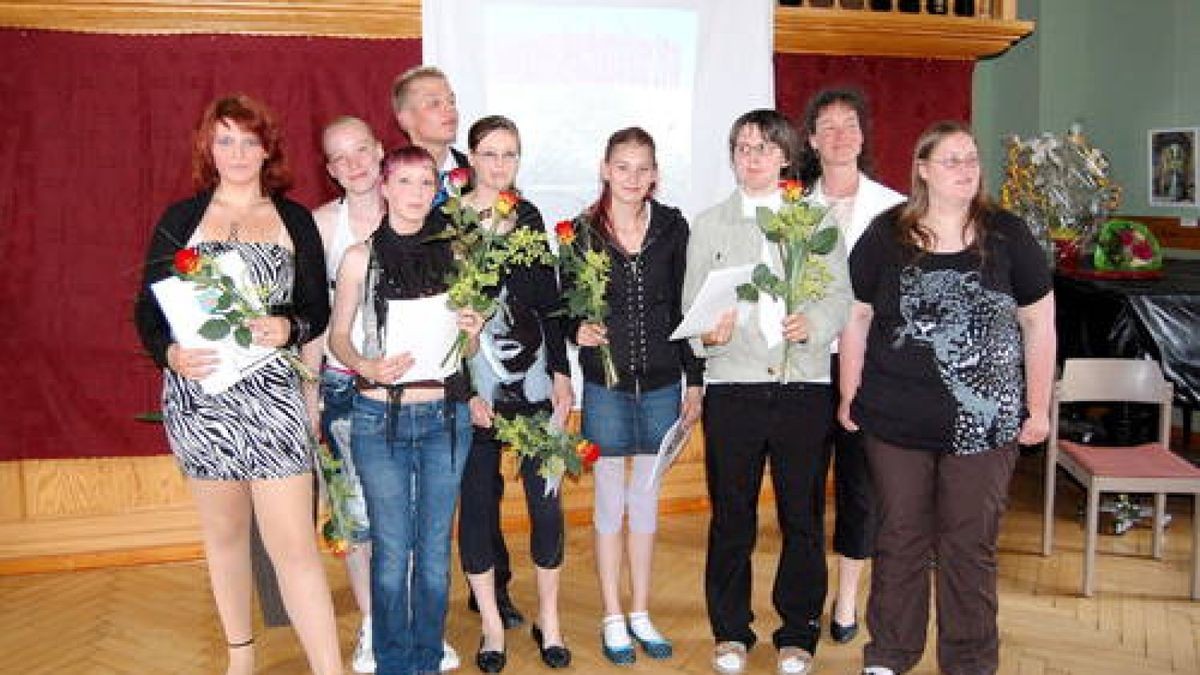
[(160, 618)]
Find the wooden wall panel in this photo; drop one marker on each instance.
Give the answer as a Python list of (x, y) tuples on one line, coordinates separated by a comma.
[(83, 513)]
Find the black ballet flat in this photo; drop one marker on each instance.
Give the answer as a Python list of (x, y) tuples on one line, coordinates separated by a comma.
[(490, 661), (554, 656), (842, 634)]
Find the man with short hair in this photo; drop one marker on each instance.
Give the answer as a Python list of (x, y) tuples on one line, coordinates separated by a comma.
[(427, 112)]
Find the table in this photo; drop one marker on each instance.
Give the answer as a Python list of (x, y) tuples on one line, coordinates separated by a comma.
[(1136, 318)]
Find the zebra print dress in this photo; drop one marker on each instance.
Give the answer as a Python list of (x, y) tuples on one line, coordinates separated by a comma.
[(258, 428)]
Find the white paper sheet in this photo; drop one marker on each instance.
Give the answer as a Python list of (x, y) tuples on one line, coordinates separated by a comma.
[(716, 295), (181, 303), (670, 447), (425, 328)]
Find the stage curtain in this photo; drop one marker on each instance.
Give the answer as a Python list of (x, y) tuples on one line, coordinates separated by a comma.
[(905, 96), (95, 137), (94, 143)]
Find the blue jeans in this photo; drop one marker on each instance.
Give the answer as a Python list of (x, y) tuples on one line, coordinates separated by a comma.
[(337, 406), (410, 461), (625, 423)]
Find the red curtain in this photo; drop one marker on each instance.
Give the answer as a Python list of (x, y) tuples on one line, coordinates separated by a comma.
[(905, 96), (95, 138), (94, 143)]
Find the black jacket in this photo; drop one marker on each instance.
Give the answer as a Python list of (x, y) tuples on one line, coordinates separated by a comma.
[(644, 292), (309, 309)]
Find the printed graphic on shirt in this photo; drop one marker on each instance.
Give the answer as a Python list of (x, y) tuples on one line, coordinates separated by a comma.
[(512, 346), (976, 344)]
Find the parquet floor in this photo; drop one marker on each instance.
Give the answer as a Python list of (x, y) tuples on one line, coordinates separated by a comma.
[(160, 619)]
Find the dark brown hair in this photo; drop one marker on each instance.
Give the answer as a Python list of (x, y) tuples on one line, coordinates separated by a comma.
[(486, 125), (775, 128), (252, 117), (809, 165)]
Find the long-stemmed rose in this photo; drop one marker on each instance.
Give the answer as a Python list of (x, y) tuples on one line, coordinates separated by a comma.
[(482, 255), (558, 451), (227, 303), (588, 270), (803, 244)]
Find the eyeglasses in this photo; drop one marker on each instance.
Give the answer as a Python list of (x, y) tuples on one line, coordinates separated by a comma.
[(953, 163), (756, 150), (496, 157)]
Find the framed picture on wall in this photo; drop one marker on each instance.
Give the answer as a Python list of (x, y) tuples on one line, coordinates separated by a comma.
[(1173, 167)]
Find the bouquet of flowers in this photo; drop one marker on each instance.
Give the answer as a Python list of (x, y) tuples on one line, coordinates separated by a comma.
[(537, 437), (341, 523), (1060, 187), (1127, 245), (229, 302), (482, 255), (589, 269), (803, 244)]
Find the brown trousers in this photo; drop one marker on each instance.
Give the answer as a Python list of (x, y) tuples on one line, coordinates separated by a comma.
[(936, 513)]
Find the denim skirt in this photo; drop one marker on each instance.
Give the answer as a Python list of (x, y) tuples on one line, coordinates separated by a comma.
[(627, 423)]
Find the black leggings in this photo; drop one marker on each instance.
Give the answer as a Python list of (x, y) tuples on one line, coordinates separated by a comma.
[(854, 500), (479, 514)]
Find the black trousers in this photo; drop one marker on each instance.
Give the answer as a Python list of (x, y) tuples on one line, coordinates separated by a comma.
[(853, 496), (480, 542), (745, 426)]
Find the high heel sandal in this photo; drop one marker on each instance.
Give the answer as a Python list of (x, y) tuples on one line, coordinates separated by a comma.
[(555, 656), (490, 661), (239, 645)]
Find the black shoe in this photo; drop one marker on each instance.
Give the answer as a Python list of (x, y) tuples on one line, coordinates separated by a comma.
[(510, 616), (555, 656), (489, 661), (842, 634)]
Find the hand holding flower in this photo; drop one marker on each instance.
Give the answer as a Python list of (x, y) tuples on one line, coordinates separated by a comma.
[(562, 399), (269, 331), (591, 335), (795, 327), (193, 363), (481, 412)]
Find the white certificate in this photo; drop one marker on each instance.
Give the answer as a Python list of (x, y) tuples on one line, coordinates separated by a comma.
[(672, 444), (426, 328), (184, 307), (718, 294)]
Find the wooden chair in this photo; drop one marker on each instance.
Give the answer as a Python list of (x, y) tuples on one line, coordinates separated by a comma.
[(1150, 468)]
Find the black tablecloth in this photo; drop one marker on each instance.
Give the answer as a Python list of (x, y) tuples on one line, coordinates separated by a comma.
[(1134, 318)]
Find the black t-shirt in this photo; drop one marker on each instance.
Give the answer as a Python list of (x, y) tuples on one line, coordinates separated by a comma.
[(943, 368)]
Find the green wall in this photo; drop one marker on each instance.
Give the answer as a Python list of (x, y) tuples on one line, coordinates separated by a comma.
[(1119, 67)]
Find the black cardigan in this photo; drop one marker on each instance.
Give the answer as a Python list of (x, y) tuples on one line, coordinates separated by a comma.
[(644, 300), (309, 309)]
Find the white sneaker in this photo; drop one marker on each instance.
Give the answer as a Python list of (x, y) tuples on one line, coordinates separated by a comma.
[(877, 670), (450, 659), (364, 655)]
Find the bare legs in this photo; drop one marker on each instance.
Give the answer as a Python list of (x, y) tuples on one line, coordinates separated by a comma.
[(547, 586), (284, 509), (358, 569), (849, 572), (484, 587)]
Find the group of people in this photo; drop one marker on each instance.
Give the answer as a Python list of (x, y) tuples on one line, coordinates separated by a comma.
[(924, 362)]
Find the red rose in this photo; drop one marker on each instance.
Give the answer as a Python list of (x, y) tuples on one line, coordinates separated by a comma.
[(565, 231), (588, 452), (187, 261), (1126, 237), (459, 177)]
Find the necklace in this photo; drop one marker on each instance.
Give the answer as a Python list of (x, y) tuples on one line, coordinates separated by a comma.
[(237, 214)]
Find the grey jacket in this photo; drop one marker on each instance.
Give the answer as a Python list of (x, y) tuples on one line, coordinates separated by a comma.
[(721, 238)]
